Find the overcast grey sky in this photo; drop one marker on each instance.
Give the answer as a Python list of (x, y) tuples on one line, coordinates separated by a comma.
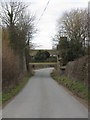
[(47, 24)]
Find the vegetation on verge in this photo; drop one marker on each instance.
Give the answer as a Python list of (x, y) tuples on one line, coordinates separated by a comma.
[(8, 95), (0, 98), (77, 87)]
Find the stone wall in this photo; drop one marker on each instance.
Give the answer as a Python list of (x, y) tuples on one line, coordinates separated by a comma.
[(78, 69)]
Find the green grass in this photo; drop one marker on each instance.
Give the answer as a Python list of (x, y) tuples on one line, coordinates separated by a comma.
[(77, 87), (15, 90), (0, 98)]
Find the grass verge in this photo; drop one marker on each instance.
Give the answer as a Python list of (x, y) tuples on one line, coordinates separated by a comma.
[(15, 90), (76, 87), (0, 98)]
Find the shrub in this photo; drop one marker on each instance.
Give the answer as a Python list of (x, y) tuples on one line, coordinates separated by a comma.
[(11, 71)]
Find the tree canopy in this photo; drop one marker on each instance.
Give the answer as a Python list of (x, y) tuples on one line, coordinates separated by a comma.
[(74, 26), (41, 56)]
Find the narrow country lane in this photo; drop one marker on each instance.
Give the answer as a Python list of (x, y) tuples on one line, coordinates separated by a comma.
[(42, 97)]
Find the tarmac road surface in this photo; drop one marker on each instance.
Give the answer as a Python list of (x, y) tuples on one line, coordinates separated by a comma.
[(43, 97)]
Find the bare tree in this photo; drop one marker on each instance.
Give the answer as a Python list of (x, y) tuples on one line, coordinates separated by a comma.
[(20, 26), (75, 24), (26, 24), (11, 11)]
